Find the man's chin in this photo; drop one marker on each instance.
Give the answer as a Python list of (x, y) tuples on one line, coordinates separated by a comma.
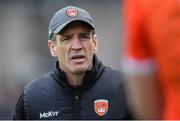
[(79, 70)]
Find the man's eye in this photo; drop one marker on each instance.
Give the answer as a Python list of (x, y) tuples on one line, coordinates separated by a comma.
[(85, 36), (64, 39)]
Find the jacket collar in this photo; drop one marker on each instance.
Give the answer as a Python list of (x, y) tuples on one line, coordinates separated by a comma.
[(89, 79)]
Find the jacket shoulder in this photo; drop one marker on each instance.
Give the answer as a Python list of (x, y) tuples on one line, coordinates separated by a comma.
[(39, 88), (39, 82), (116, 75), (112, 78)]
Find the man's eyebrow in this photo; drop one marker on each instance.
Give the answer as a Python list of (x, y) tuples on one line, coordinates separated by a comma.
[(84, 33), (66, 34)]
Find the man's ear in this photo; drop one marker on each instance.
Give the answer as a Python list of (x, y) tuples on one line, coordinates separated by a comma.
[(52, 46), (95, 43)]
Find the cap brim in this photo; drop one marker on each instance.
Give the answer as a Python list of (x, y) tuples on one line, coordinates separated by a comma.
[(65, 24)]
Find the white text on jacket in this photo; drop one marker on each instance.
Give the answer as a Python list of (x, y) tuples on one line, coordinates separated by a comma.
[(48, 114)]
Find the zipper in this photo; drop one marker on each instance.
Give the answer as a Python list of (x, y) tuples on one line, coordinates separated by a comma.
[(76, 104)]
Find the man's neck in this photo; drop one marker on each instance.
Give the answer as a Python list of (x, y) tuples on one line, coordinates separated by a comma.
[(75, 79)]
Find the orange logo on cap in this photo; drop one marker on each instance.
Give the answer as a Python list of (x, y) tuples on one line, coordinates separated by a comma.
[(101, 106), (72, 12)]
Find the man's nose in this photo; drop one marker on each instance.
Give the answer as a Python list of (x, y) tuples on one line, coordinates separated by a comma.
[(76, 44)]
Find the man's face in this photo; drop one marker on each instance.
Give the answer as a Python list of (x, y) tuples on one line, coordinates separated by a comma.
[(74, 48)]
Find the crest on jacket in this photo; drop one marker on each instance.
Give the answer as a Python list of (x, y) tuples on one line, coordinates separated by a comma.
[(101, 106)]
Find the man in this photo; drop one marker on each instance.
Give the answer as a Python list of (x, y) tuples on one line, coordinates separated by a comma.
[(81, 87), (152, 57)]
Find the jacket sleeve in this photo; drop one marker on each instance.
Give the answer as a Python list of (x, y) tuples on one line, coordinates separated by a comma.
[(20, 109)]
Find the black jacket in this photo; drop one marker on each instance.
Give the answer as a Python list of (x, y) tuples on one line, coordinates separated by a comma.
[(101, 96)]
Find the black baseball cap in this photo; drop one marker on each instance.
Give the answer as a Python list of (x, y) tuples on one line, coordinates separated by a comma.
[(67, 15)]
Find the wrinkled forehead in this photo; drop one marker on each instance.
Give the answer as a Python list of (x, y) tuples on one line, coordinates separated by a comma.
[(76, 24)]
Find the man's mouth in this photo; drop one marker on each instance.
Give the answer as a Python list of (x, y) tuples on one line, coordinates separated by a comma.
[(78, 58)]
